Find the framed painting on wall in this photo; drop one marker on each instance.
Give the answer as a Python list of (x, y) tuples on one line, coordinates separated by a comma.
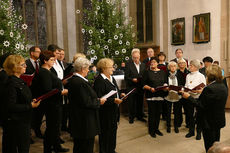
[(201, 28), (178, 31)]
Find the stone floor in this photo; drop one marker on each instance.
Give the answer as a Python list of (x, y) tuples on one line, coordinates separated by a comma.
[(133, 138)]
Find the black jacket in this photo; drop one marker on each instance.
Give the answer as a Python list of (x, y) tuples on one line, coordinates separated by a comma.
[(18, 98), (109, 112), (155, 79), (44, 82), (211, 106), (131, 73), (203, 71), (84, 105)]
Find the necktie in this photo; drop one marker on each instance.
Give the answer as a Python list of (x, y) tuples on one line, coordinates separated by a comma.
[(36, 67)]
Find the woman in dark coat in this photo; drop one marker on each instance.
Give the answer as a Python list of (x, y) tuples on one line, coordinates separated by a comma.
[(44, 82), (153, 78), (84, 105), (19, 104), (109, 112), (211, 106)]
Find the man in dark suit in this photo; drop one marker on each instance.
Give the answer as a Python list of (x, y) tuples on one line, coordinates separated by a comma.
[(207, 62), (65, 112), (33, 63), (150, 53), (179, 55), (133, 74), (211, 106)]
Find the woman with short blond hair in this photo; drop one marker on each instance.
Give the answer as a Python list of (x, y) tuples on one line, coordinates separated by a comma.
[(109, 112), (16, 129)]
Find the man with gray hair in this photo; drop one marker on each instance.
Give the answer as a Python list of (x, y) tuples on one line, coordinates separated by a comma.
[(133, 75)]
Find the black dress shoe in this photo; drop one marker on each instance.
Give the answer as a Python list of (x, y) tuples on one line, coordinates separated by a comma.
[(142, 119), (131, 121), (198, 136), (168, 130), (176, 130), (190, 134), (153, 135), (158, 132)]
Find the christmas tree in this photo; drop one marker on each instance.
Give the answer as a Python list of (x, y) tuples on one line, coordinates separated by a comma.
[(107, 31), (12, 37)]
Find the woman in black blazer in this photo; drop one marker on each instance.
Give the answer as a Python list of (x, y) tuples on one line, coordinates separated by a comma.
[(211, 106), (18, 106), (44, 82), (109, 112), (84, 105)]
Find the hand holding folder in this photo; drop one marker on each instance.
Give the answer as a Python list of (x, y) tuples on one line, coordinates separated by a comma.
[(47, 95), (202, 85), (131, 91), (161, 88), (112, 92)]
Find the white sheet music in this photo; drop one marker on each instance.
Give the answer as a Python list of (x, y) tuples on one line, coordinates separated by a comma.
[(112, 92)]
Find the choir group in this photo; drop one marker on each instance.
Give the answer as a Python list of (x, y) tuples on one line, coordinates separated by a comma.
[(61, 92)]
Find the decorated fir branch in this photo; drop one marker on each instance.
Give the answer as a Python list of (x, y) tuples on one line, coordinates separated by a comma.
[(12, 28), (107, 31)]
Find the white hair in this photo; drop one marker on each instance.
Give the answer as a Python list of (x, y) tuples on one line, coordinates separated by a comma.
[(81, 63), (195, 63), (135, 50), (172, 63)]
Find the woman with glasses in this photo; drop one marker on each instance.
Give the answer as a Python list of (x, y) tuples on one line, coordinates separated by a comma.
[(19, 104), (109, 112)]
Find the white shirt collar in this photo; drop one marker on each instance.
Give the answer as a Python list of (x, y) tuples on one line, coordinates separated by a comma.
[(194, 72), (79, 75), (104, 77), (33, 62)]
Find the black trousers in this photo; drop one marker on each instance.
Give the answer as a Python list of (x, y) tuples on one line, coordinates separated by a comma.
[(107, 140), (136, 109), (154, 111), (210, 136), (176, 111), (16, 137), (53, 122), (190, 115), (38, 114), (183, 104), (83, 145)]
